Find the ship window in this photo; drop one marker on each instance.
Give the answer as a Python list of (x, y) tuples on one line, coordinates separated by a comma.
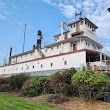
[(74, 25), (57, 47), (52, 48), (33, 67), (86, 43), (22, 68), (90, 26), (71, 26), (41, 65), (85, 23), (51, 64), (65, 62), (81, 22)]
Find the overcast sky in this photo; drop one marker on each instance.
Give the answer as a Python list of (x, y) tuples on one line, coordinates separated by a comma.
[(46, 15)]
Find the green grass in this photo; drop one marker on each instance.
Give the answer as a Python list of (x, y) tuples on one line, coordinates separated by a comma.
[(10, 102)]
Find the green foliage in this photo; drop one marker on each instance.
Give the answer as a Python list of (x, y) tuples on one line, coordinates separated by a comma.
[(16, 81), (90, 84), (83, 68), (34, 87)]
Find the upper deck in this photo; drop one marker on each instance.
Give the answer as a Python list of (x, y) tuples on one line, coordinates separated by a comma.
[(81, 35)]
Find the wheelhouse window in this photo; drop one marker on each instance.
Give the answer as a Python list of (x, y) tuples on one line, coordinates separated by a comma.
[(81, 22)]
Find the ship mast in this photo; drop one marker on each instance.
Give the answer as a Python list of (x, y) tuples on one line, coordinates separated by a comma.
[(24, 37)]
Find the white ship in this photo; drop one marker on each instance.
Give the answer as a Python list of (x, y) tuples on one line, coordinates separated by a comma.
[(76, 47)]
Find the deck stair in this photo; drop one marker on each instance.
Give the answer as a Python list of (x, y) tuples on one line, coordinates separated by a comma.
[(40, 53)]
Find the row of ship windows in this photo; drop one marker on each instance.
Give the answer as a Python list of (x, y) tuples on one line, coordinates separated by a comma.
[(87, 44), (73, 26), (26, 55), (65, 63), (52, 48)]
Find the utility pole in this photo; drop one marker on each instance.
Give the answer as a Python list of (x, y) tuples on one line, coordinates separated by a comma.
[(24, 37)]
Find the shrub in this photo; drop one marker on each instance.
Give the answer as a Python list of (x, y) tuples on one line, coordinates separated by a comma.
[(57, 99), (5, 88), (90, 84), (4, 81), (61, 82), (34, 87), (16, 81)]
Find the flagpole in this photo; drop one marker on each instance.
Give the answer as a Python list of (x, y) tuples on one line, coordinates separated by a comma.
[(24, 38)]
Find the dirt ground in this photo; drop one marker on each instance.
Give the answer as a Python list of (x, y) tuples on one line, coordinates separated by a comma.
[(75, 103)]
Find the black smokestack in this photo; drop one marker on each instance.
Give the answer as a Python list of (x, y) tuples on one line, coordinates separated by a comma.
[(34, 47), (10, 51), (10, 55), (39, 38)]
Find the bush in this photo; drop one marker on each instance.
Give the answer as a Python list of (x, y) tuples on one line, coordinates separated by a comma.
[(90, 84), (4, 81), (34, 87), (5, 88), (16, 81), (61, 82), (57, 99)]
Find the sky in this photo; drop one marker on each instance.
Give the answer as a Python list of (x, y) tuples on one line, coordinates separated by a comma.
[(46, 15)]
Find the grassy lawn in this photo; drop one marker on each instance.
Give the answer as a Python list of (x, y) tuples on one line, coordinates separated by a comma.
[(10, 102)]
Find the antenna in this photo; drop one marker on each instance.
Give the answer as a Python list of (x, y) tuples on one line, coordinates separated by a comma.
[(108, 9), (77, 14), (24, 37)]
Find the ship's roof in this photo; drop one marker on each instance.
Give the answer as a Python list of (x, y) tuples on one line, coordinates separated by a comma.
[(75, 38), (81, 19), (63, 33), (24, 53)]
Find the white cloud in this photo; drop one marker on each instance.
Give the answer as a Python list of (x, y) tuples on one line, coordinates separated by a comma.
[(67, 10), (78, 5), (92, 9)]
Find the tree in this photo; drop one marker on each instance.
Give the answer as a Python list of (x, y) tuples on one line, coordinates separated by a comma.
[(90, 84)]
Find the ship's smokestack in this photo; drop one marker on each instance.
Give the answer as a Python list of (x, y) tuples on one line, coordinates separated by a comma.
[(10, 51), (10, 55), (39, 38), (34, 47)]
